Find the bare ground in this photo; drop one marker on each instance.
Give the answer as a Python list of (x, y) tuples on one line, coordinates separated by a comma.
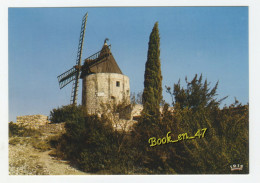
[(24, 159)]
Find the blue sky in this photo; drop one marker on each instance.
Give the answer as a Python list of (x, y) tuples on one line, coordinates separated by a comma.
[(43, 43)]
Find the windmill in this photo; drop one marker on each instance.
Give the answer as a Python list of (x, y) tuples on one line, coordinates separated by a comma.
[(102, 79), (73, 74)]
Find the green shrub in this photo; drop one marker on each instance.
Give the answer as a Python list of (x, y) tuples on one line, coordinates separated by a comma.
[(92, 144), (54, 140), (95, 146), (20, 131), (66, 113), (13, 129), (225, 142)]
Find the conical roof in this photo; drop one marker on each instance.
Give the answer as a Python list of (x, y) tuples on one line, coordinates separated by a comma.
[(101, 62)]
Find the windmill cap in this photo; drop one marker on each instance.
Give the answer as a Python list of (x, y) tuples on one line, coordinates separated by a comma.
[(105, 41)]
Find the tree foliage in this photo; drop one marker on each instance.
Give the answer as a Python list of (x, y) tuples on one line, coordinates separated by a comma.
[(136, 98), (152, 94), (195, 94), (66, 113), (94, 144), (196, 107)]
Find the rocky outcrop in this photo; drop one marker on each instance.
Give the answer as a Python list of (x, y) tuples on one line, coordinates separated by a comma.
[(32, 121)]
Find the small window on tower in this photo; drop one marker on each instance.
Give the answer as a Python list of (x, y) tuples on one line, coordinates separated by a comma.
[(118, 83)]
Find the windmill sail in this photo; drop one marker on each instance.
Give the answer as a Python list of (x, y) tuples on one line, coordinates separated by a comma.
[(74, 93), (67, 77), (73, 74)]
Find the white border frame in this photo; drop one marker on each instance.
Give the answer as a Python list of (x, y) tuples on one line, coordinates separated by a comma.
[(254, 89)]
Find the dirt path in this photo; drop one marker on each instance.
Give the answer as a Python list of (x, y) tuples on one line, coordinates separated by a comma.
[(26, 160), (58, 167)]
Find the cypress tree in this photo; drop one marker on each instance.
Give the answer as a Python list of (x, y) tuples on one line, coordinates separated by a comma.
[(152, 94)]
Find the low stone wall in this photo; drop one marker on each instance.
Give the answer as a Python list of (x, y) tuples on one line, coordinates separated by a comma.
[(137, 110), (124, 125), (32, 121)]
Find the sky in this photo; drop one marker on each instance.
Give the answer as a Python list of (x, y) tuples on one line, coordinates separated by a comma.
[(43, 43)]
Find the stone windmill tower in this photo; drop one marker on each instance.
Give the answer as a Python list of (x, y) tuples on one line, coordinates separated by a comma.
[(103, 80)]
